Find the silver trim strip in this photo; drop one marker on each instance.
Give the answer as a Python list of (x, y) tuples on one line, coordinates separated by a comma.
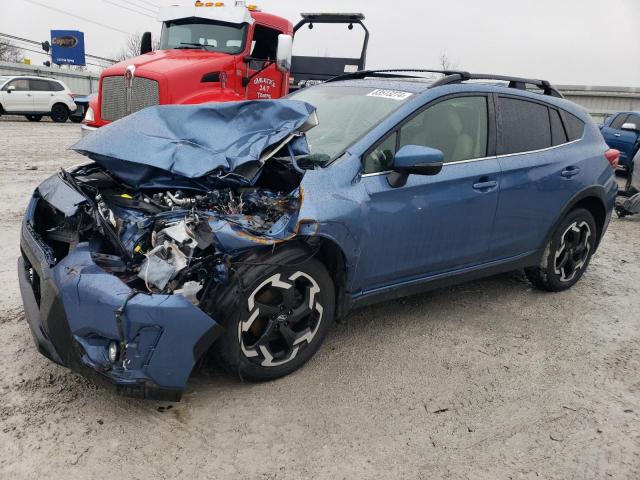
[(484, 158)]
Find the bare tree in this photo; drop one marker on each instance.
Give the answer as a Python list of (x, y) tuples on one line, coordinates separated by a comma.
[(9, 52), (446, 63), (131, 47)]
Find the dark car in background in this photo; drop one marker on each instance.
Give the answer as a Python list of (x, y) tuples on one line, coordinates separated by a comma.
[(622, 132)]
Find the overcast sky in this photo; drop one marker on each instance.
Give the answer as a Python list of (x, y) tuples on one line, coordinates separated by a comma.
[(592, 42)]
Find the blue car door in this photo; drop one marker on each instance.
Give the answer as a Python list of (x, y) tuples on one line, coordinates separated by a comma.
[(433, 224), (622, 140), (540, 173)]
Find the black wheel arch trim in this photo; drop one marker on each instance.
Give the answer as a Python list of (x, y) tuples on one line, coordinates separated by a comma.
[(595, 191)]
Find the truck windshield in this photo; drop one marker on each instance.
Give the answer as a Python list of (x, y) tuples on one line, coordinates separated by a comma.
[(201, 33), (345, 114)]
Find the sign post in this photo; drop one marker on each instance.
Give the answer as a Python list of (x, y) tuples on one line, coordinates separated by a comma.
[(67, 47)]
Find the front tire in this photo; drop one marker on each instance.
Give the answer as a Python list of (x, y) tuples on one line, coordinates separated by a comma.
[(567, 254), (276, 315), (59, 113), (34, 118)]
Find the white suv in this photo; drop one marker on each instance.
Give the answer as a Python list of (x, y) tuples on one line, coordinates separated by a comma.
[(35, 97)]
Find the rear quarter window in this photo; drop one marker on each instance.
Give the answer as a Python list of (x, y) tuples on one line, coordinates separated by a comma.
[(56, 87)]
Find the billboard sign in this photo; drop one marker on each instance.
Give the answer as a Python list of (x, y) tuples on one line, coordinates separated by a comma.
[(67, 47)]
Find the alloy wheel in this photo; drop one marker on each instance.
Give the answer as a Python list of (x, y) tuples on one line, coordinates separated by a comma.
[(573, 252), (284, 317)]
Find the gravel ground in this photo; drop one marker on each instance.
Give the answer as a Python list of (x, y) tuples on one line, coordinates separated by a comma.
[(486, 380)]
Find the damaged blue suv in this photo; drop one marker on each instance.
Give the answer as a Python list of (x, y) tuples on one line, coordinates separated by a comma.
[(241, 231)]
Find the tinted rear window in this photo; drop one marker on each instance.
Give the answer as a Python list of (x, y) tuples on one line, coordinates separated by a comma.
[(574, 126), (525, 126)]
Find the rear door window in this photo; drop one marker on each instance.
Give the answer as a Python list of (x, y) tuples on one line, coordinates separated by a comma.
[(38, 85), (525, 126)]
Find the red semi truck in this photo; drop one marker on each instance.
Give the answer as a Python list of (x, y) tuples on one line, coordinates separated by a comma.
[(217, 52)]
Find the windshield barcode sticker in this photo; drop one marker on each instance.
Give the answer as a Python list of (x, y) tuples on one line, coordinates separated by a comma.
[(393, 94)]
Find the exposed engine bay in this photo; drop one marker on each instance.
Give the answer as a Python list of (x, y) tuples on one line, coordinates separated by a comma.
[(175, 240)]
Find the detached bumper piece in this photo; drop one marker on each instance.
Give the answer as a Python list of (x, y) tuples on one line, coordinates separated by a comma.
[(71, 308)]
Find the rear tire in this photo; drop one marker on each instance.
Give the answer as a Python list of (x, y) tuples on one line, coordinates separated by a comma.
[(34, 118), (567, 255), (276, 313), (59, 113)]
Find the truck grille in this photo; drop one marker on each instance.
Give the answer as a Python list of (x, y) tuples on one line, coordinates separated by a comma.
[(114, 96)]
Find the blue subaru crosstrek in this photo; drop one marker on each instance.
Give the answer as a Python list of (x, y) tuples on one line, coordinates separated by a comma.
[(241, 231)]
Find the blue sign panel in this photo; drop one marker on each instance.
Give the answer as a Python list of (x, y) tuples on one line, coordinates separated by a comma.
[(67, 47)]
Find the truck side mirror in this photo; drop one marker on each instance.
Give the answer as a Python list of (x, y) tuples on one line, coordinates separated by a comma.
[(11, 88), (283, 54), (145, 43)]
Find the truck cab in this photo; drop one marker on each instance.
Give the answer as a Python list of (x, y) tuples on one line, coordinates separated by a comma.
[(212, 52)]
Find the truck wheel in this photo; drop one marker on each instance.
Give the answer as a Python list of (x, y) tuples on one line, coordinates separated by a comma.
[(59, 113), (34, 118), (277, 320), (567, 254)]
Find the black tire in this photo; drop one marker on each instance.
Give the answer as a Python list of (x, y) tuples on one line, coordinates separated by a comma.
[(567, 255), (34, 118), (244, 307), (59, 113), (76, 119)]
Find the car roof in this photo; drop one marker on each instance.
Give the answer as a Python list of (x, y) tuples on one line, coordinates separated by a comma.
[(412, 85), (29, 77), (424, 89)]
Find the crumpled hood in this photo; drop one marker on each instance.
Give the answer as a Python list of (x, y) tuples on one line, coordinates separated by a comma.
[(163, 144)]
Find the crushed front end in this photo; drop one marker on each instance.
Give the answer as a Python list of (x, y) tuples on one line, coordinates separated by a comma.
[(118, 281)]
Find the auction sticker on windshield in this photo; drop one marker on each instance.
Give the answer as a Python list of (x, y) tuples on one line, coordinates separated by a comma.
[(393, 94)]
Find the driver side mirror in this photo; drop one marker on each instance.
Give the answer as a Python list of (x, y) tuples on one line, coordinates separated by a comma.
[(283, 53), (629, 126), (417, 160), (11, 88)]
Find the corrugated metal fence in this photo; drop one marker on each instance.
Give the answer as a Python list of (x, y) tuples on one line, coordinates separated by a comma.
[(81, 83), (601, 102)]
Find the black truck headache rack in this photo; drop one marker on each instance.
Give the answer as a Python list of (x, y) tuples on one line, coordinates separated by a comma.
[(307, 70), (452, 76)]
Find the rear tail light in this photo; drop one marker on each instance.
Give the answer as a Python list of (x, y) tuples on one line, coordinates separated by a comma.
[(613, 156)]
